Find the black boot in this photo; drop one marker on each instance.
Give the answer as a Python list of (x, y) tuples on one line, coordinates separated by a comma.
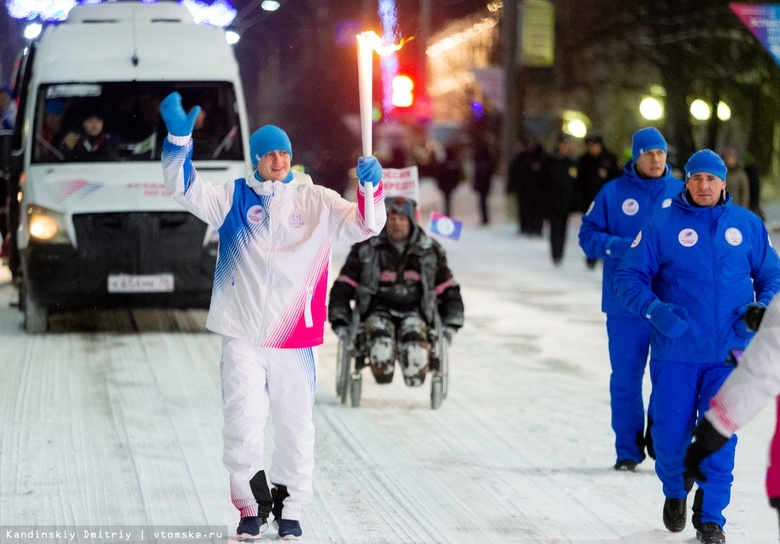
[(698, 501), (649, 439), (710, 533), (674, 514)]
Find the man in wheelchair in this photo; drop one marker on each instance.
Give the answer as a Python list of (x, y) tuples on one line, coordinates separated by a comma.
[(399, 280)]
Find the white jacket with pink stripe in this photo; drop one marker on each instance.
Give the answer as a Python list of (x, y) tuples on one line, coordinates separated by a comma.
[(271, 278)]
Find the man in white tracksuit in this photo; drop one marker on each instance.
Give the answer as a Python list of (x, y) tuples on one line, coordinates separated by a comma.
[(268, 303)]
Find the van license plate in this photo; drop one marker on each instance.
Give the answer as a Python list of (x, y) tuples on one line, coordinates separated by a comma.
[(149, 283)]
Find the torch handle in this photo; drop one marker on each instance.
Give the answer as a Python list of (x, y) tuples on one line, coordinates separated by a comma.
[(368, 204)]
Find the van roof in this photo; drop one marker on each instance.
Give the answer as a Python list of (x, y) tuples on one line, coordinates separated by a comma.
[(119, 11), (124, 41)]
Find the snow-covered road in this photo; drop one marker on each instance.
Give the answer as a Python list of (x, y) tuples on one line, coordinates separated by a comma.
[(114, 423)]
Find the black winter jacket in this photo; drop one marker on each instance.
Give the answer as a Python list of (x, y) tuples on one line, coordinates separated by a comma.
[(380, 279)]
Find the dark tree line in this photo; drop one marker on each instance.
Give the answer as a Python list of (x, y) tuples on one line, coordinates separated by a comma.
[(691, 47)]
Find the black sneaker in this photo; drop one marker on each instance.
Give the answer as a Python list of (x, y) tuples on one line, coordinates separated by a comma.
[(674, 514), (251, 528), (289, 529), (710, 533), (626, 465)]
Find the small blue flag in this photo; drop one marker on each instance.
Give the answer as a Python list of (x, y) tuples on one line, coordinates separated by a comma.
[(445, 226)]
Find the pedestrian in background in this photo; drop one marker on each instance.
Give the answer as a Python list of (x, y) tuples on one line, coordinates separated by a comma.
[(525, 173), (484, 166), (754, 184), (268, 303), (609, 226), (739, 185), (694, 270), (596, 166), (450, 173), (559, 186), (754, 382)]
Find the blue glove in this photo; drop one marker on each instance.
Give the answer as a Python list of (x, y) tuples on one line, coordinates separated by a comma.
[(668, 318), (617, 246), (369, 169), (177, 121), (749, 318)]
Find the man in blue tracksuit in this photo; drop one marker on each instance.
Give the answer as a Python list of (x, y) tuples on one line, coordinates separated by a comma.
[(694, 270), (609, 226)]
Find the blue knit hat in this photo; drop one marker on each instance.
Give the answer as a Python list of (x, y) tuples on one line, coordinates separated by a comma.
[(646, 139), (707, 161), (266, 139)]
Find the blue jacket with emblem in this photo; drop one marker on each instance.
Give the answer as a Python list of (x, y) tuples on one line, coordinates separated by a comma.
[(614, 218), (712, 261)]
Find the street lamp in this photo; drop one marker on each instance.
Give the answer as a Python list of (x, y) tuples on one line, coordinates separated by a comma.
[(270, 5), (700, 110), (723, 111), (651, 108), (32, 30), (232, 37)]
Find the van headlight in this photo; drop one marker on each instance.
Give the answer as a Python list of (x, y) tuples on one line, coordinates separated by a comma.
[(46, 225)]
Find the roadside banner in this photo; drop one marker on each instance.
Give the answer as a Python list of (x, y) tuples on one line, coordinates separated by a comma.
[(763, 20), (403, 182)]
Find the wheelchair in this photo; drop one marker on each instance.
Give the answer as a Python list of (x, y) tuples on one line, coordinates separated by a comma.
[(352, 353)]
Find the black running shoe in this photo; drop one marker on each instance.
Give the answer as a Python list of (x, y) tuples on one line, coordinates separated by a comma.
[(710, 533), (289, 529), (674, 514), (626, 465), (251, 528)]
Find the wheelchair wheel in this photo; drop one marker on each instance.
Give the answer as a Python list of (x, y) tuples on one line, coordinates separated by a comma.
[(444, 364), (437, 390), (344, 367), (339, 365), (356, 385)]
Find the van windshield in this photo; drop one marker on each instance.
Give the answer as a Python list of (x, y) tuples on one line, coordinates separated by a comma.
[(120, 121)]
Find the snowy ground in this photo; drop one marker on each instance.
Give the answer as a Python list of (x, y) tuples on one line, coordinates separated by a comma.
[(113, 423)]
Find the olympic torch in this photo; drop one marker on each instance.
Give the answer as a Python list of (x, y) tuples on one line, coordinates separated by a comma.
[(368, 42), (365, 76)]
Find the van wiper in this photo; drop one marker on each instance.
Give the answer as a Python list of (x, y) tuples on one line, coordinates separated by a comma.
[(224, 142)]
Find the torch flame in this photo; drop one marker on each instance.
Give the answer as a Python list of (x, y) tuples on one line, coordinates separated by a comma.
[(370, 39)]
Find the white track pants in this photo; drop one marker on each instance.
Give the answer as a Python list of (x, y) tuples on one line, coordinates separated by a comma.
[(254, 380)]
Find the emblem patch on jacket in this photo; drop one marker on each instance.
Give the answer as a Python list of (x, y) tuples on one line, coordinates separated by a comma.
[(688, 237), (255, 214), (733, 236), (296, 219), (630, 206)]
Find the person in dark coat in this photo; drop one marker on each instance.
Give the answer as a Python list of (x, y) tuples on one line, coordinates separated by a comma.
[(449, 176), (597, 166), (484, 165), (399, 279), (559, 182), (525, 173)]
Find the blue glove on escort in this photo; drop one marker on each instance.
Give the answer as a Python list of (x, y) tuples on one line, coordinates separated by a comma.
[(369, 169), (177, 121), (617, 246), (749, 319), (668, 318)]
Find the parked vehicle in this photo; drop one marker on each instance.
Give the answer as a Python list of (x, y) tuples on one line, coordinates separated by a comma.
[(94, 225)]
